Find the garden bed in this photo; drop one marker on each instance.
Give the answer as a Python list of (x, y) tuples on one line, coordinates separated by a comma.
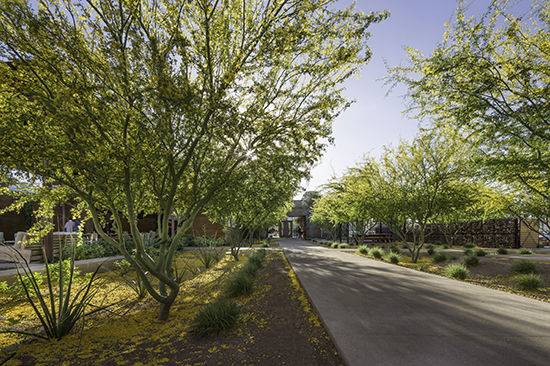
[(276, 326), (494, 271)]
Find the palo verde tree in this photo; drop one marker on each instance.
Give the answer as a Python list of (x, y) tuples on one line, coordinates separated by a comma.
[(151, 106), (490, 79), (342, 203), (414, 185), (260, 196)]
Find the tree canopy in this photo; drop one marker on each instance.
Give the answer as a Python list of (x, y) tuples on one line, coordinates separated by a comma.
[(154, 106), (490, 79)]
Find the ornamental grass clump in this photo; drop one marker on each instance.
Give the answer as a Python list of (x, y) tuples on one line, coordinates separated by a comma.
[(525, 252), (216, 317), (470, 261), (344, 246), (363, 249), (457, 271), (523, 267), (528, 281), (240, 284), (376, 252), (468, 252), (392, 257), (334, 245), (480, 252), (63, 303), (439, 257)]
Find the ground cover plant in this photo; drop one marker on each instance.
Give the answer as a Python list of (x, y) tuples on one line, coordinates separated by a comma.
[(470, 260), (528, 281), (129, 333), (523, 267), (457, 271)]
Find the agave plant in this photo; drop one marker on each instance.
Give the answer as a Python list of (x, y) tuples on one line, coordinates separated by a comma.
[(60, 307)]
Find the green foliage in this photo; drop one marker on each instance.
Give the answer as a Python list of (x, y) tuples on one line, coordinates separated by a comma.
[(392, 258), (257, 258), (206, 241), (62, 305), (335, 245), (480, 252), (439, 257), (131, 277), (240, 284), (488, 79), (525, 252), (469, 245), (410, 187), (376, 252), (470, 260), (430, 250), (216, 317), (96, 249), (208, 256), (457, 271), (344, 246), (528, 281), (523, 267), (468, 252), (251, 268), (160, 116), (502, 251), (363, 249)]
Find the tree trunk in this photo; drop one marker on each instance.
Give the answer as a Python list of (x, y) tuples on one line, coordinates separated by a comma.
[(164, 311)]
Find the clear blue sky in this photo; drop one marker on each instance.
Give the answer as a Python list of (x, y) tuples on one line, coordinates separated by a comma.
[(375, 120)]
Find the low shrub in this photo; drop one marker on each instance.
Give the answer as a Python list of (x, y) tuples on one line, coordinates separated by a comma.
[(216, 317), (344, 246), (430, 251), (480, 252), (439, 257), (457, 271), (83, 250), (468, 252), (523, 267), (469, 246), (208, 256), (363, 249), (376, 252), (525, 252), (251, 268), (502, 251), (205, 241), (240, 284), (529, 281), (334, 245), (470, 260), (392, 258), (257, 258), (444, 246)]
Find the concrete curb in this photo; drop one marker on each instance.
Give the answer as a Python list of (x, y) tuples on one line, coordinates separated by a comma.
[(314, 307)]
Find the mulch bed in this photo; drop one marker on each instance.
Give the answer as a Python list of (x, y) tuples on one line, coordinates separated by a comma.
[(274, 330)]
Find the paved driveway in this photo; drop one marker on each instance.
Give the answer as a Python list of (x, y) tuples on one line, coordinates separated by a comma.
[(381, 314)]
